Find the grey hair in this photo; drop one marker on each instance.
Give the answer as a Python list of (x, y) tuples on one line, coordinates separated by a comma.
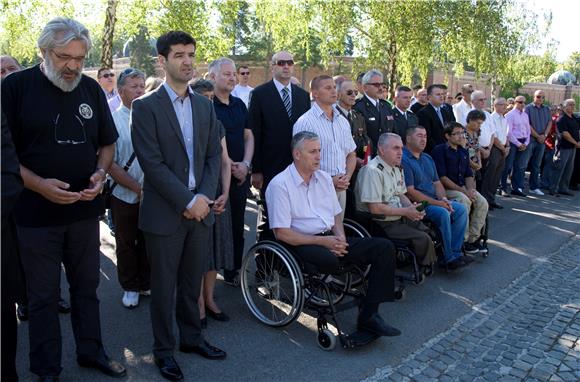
[(59, 31), (370, 74), (340, 84), (129, 73), (499, 100), (202, 86), (567, 102), (302, 136), (385, 138), (5, 57), (477, 94), (216, 65)]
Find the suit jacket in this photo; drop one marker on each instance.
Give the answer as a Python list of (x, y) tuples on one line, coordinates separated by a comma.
[(159, 145), (378, 121), (272, 128), (430, 121), (402, 123)]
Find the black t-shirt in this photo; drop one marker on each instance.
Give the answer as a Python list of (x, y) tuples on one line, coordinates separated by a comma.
[(57, 134), (234, 117), (572, 126)]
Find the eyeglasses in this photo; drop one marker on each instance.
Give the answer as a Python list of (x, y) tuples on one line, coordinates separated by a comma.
[(459, 134), (519, 101), (244, 73), (376, 84), (351, 92), (285, 62), (66, 58), (107, 75), (541, 97), (61, 140)]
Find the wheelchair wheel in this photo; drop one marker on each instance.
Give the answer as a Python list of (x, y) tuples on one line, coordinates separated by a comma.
[(354, 229), (272, 283), (315, 293), (326, 340)]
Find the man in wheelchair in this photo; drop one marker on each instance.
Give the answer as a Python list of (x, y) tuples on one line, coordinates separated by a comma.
[(380, 189), (304, 213)]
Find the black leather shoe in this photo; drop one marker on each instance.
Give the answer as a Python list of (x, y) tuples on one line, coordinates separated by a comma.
[(104, 364), (221, 316), (375, 324), (63, 306), (169, 369), (22, 312), (48, 378), (567, 193), (205, 350), (496, 206), (203, 323), (518, 193)]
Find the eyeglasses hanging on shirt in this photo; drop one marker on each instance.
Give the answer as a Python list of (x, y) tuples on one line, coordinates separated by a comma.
[(71, 132)]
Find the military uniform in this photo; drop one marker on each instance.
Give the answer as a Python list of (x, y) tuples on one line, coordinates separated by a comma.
[(379, 182), (378, 119), (359, 130), (403, 122)]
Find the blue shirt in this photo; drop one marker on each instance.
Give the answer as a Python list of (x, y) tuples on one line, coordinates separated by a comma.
[(420, 173), (234, 117), (452, 163), (539, 116)]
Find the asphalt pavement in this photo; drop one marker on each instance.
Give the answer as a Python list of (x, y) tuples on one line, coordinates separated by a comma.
[(535, 236)]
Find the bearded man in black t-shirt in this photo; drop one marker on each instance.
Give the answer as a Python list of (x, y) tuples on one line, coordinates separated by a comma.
[(65, 141)]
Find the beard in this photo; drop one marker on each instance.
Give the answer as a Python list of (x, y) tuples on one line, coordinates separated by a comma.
[(56, 77)]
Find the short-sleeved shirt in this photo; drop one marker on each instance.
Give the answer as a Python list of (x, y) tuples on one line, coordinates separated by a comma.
[(123, 152), (234, 117), (378, 182), (539, 116), (572, 126), (473, 146), (452, 163), (243, 93), (420, 172), (308, 208), (336, 140), (57, 134)]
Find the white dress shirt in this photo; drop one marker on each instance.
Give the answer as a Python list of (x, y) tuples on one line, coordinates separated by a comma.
[(500, 127), (280, 86), (460, 110), (487, 131)]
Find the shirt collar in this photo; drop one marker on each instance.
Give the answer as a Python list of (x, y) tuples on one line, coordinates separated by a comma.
[(280, 86), (338, 107), (387, 166), (124, 109), (435, 107), (297, 178), (373, 101), (401, 111), (410, 154), (317, 110), (172, 94)]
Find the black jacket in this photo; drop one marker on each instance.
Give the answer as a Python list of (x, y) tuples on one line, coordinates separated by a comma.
[(430, 121), (377, 122), (402, 123)]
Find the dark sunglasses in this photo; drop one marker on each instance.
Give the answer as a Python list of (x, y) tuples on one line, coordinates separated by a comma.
[(351, 92), (107, 75), (377, 84), (519, 101), (285, 62), (540, 97), (244, 73)]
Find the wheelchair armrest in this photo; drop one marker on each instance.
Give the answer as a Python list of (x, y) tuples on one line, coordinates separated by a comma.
[(368, 215)]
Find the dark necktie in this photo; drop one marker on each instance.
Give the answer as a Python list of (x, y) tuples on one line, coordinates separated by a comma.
[(438, 110), (286, 100)]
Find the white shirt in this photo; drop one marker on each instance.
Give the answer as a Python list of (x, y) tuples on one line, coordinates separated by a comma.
[(243, 93), (280, 86), (305, 208), (373, 101), (500, 127), (123, 152), (335, 137), (460, 110), (487, 131), (114, 103)]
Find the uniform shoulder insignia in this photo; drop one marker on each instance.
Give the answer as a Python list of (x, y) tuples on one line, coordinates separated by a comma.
[(380, 166)]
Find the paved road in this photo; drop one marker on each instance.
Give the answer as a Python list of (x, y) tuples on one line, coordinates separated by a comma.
[(528, 282)]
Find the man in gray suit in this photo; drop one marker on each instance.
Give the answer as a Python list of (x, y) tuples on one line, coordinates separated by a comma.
[(175, 137)]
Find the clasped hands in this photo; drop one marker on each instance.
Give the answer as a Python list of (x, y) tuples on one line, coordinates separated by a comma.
[(55, 190), (200, 208), (335, 244)]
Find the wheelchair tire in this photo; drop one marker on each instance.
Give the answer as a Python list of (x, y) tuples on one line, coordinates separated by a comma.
[(318, 297), (354, 229), (326, 340), (272, 283)]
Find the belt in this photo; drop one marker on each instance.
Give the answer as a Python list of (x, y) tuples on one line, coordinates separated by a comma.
[(325, 233)]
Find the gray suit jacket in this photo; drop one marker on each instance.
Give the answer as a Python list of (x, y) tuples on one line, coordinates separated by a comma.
[(160, 148)]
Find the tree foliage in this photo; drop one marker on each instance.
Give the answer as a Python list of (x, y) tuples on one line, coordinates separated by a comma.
[(572, 65)]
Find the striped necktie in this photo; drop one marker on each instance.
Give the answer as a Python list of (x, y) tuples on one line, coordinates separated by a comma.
[(286, 100)]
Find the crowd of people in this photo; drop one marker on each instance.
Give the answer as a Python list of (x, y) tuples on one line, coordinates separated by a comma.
[(180, 154)]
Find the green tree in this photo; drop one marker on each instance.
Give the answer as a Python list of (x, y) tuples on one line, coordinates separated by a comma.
[(141, 52), (572, 65)]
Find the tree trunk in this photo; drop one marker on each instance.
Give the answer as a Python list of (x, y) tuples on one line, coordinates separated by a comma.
[(108, 34), (392, 69)]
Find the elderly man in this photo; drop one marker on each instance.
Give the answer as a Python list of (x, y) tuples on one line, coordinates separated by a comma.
[(305, 214), (377, 112), (404, 118), (380, 190), (242, 90), (569, 127), (519, 136), (106, 78), (433, 117), (338, 147), (540, 123), (132, 264), (421, 101), (456, 175), (176, 138), (65, 148), (496, 128), (274, 108), (347, 94), (8, 64), (423, 184), (464, 106), (232, 113)]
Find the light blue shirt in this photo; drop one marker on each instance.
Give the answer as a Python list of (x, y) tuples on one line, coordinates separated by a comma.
[(123, 152)]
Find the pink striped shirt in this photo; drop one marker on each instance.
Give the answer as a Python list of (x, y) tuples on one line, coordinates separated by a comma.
[(518, 127)]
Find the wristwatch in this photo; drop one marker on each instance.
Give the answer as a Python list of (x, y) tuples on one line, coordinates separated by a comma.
[(248, 165)]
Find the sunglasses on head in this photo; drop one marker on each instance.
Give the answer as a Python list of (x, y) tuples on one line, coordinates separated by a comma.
[(107, 75), (351, 92), (285, 62)]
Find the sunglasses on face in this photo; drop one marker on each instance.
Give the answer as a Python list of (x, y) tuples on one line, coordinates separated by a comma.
[(351, 92), (107, 75), (519, 101), (540, 97), (245, 73), (285, 62)]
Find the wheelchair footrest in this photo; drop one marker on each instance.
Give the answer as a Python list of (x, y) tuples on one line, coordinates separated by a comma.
[(358, 339)]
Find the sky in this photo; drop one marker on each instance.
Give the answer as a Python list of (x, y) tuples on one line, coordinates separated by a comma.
[(565, 19)]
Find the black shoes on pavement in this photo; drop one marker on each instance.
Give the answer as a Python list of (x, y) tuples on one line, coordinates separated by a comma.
[(204, 349), (375, 324), (104, 364), (169, 368)]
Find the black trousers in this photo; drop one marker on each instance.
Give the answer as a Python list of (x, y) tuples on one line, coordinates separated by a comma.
[(43, 249), (132, 265), (378, 252), (492, 175), (238, 197), (177, 262), (10, 278)]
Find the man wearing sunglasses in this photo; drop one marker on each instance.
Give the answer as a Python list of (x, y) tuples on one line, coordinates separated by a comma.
[(377, 112), (242, 90), (540, 123), (347, 95), (106, 78)]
